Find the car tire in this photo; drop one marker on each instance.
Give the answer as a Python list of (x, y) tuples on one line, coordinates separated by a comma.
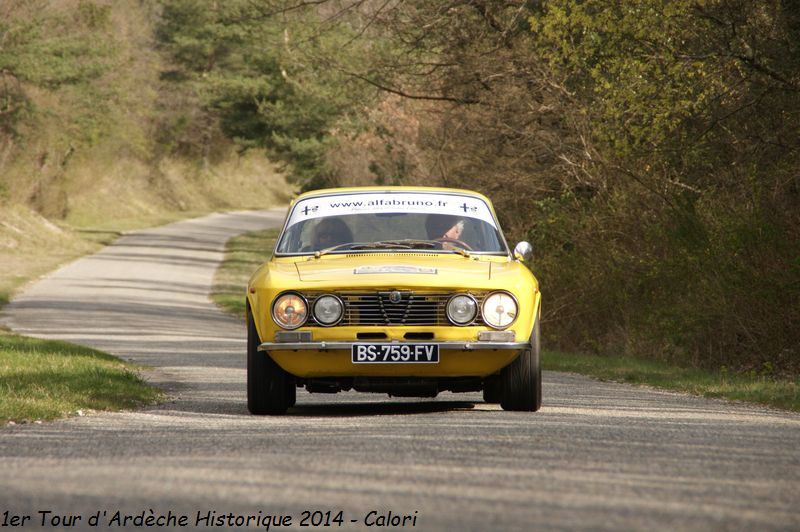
[(522, 379), (492, 389), (270, 390), (291, 393)]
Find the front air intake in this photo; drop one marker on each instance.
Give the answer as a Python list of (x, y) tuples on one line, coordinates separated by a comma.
[(382, 308)]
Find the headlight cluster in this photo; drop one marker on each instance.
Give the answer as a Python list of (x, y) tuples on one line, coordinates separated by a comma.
[(499, 309), (290, 310), (328, 310), (462, 309)]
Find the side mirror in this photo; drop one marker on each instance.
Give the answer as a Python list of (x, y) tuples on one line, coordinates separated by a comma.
[(523, 251)]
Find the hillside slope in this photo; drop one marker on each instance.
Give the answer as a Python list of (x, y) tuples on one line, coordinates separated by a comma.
[(95, 138)]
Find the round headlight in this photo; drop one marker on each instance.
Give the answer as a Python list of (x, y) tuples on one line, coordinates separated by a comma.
[(461, 309), (328, 310), (290, 311), (499, 310)]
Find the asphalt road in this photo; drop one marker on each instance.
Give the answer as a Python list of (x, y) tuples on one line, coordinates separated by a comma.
[(597, 456)]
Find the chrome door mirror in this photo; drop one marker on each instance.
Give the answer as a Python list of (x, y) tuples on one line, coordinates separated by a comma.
[(523, 251)]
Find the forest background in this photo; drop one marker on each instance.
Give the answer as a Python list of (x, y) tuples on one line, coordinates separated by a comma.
[(649, 150)]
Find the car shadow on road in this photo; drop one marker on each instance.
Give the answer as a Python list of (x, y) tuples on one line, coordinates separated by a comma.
[(228, 398), (366, 409)]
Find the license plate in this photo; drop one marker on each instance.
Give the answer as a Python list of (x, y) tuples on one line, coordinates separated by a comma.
[(395, 354)]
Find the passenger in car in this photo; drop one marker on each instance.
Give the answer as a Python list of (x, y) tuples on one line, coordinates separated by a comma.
[(330, 232)]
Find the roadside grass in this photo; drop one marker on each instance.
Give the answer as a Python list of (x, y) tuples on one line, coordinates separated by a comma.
[(246, 252), (243, 254), (751, 387), (46, 379)]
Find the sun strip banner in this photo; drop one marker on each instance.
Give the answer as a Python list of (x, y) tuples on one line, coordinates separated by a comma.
[(391, 202)]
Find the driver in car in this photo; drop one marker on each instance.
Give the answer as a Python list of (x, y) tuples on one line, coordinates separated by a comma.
[(445, 228)]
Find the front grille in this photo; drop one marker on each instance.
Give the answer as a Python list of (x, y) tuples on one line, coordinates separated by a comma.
[(412, 309)]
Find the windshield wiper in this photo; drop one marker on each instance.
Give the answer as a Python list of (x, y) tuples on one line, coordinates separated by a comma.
[(383, 244), (360, 246), (428, 244), (321, 252), (460, 251), (406, 243)]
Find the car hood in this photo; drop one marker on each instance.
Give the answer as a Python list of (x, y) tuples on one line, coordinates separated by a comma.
[(395, 270)]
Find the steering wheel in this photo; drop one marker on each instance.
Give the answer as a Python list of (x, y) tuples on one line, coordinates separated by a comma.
[(459, 243)]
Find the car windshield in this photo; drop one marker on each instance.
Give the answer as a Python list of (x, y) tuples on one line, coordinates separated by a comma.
[(391, 221)]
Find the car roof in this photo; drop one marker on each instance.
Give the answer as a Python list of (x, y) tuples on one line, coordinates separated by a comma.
[(390, 189)]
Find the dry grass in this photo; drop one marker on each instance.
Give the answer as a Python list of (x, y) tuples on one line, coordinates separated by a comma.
[(31, 246), (112, 190)]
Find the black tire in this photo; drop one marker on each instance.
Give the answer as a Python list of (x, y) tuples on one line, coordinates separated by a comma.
[(492, 389), (270, 390), (522, 379), (291, 392)]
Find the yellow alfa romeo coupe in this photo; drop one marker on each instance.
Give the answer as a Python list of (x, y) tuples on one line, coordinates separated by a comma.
[(401, 290)]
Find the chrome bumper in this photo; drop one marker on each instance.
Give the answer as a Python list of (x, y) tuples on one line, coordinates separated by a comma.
[(447, 346)]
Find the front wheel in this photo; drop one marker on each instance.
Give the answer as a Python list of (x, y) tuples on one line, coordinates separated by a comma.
[(270, 390), (522, 379)]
